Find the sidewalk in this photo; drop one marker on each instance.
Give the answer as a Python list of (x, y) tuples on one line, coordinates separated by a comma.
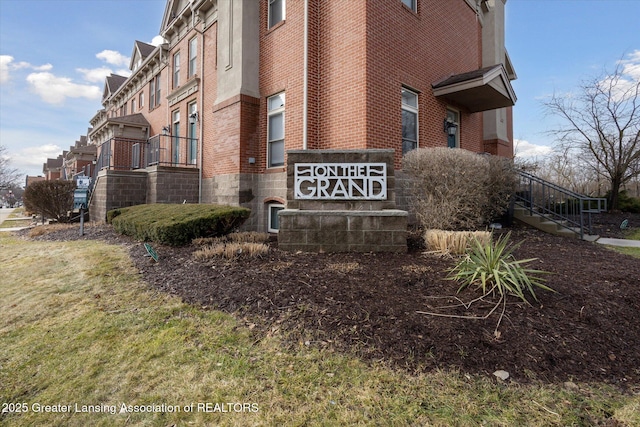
[(619, 242)]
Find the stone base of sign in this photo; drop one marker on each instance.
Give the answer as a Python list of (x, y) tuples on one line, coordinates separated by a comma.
[(341, 201), (343, 231)]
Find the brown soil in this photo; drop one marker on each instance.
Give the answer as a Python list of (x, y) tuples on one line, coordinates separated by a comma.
[(369, 305)]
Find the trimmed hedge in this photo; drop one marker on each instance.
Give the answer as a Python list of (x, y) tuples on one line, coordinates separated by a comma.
[(176, 224)]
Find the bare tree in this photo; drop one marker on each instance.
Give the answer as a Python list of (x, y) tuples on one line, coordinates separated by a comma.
[(9, 177), (602, 123)]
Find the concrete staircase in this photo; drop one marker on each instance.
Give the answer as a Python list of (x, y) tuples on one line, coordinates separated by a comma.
[(543, 223), (554, 209)]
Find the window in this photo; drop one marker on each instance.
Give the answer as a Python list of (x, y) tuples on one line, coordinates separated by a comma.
[(453, 128), (409, 120), (411, 4), (133, 106), (192, 133), (274, 221), (176, 70), (193, 56), (125, 108), (141, 99), (275, 130), (175, 136), (152, 93), (157, 90), (276, 12)]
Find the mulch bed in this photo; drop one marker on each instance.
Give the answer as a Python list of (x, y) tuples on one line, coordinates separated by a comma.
[(369, 305)]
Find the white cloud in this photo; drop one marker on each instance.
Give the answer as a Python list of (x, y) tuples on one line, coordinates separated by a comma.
[(631, 65), (54, 90), (30, 159), (157, 40), (94, 75), (7, 66), (525, 148), (113, 57)]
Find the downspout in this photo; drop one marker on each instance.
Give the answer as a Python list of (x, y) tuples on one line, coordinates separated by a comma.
[(200, 103), (305, 76), (200, 107)]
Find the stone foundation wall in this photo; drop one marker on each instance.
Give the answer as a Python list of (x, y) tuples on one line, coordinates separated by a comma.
[(251, 191), (118, 189), (172, 185)]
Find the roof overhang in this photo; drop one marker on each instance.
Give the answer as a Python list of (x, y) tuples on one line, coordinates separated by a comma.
[(485, 89)]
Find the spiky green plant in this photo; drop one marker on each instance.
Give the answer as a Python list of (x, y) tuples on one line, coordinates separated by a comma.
[(493, 268)]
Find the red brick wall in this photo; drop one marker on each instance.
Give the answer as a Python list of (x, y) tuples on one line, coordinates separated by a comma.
[(361, 53), (208, 86)]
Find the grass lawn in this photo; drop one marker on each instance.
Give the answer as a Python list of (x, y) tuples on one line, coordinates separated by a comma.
[(80, 332), (632, 234)]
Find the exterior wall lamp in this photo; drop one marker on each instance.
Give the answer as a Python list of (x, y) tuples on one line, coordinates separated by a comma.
[(450, 128), (193, 117), (166, 130)]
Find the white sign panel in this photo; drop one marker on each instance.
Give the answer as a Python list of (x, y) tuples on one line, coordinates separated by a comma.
[(340, 181)]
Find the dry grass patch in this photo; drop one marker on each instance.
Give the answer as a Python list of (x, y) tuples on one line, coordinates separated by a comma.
[(231, 250), (43, 230), (454, 242), (344, 267), (233, 245)]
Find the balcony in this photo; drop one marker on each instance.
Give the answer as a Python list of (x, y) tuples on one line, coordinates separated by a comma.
[(160, 150)]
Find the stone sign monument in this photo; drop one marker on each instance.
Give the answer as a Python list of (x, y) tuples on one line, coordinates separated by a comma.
[(341, 201)]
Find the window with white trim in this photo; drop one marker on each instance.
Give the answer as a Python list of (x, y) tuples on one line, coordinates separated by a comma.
[(176, 70), (276, 12), (192, 133), (275, 130), (193, 56), (274, 221), (175, 134), (409, 120), (411, 4)]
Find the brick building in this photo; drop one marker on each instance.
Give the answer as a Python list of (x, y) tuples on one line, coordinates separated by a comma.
[(238, 83)]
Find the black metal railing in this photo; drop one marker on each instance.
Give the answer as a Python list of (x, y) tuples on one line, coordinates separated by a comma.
[(170, 150), (558, 204)]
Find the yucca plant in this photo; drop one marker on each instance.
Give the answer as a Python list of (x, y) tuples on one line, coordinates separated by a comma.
[(493, 268)]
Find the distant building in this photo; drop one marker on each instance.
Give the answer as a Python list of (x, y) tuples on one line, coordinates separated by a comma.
[(209, 115), (53, 169), (30, 179), (80, 159)]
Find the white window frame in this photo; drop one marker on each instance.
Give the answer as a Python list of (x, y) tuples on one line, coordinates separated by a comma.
[(192, 135), (283, 4), (270, 206), (272, 112), (175, 137), (176, 70), (411, 4), (193, 57), (413, 110)]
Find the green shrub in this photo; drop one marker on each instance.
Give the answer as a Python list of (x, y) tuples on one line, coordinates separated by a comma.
[(453, 189), (174, 224), (52, 199), (628, 203), (493, 268)]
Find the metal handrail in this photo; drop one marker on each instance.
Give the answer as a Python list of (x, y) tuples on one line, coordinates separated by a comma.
[(557, 204)]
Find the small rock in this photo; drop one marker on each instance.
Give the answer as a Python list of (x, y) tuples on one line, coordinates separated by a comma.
[(569, 385), (503, 375)]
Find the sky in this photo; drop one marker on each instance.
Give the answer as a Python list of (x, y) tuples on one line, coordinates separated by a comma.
[(55, 55)]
